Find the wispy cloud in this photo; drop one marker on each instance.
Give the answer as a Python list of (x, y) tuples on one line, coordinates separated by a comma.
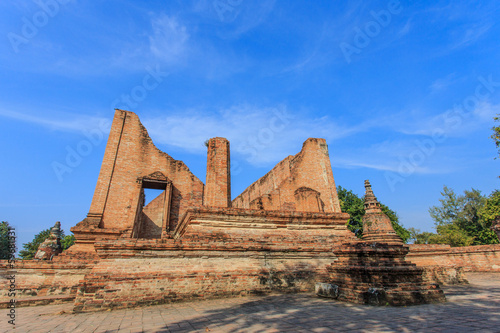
[(392, 166), (169, 38), (68, 123), (471, 35), (264, 135), (443, 83), (453, 122), (405, 29), (261, 135)]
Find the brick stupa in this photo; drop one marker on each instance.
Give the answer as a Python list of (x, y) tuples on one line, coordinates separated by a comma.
[(374, 271), (51, 246)]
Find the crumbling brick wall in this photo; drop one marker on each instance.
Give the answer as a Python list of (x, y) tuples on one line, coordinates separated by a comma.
[(152, 218), (479, 258), (37, 278), (131, 156), (218, 184), (303, 182)]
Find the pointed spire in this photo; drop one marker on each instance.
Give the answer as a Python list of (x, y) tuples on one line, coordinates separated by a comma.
[(377, 226), (371, 202)]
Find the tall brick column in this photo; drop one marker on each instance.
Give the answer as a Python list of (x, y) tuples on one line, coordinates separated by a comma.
[(218, 184)]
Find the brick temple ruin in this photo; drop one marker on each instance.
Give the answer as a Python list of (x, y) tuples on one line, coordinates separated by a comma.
[(285, 232)]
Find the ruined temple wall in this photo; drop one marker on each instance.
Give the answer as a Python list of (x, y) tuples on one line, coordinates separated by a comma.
[(161, 280), (43, 278), (480, 258), (310, 168), (135, 272), (269, 184), (131, 154), (215, 252), (152, 218), (218, 184)]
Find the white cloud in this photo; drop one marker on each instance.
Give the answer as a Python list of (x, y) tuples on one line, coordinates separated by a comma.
[(405, 29), (443, 83), (69, 124), (382, 166), (485, 112), (261, 135), (265, 135), (454, 122), (471, 35), (169, 40)]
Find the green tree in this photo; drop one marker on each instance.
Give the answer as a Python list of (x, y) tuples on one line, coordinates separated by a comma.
[(5, 250), (487, 213), (451, 234), (67, 242), (448, 212), (353, 205), (496, 134), (463, 220), (419, 237), (29, 249)]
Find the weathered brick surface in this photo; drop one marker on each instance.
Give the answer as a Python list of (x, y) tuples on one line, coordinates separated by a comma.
[(378, 274), (303, 182), (131, 156), (193, 242), (218, 185), (183, 276), (36, 278), (481, 258), (215, 252), (375, 271), (152, 218)]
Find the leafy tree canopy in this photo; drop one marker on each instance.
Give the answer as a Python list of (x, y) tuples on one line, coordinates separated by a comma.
[(496, 134), (353, 205), (5, 250), (29, 249), (67, 242), (462, 220)]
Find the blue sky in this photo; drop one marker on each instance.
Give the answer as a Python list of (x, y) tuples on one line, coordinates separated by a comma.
[(403, 92)]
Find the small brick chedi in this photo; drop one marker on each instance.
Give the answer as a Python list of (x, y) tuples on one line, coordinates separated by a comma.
[(192, 241), (52, 245), (374, 271)]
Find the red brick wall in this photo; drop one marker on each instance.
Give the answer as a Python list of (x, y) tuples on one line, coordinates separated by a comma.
[(215, 252), (183, 275), (130, 155), (43, 278), (482, 258), (310, 168), (152, 218), (218, 184)]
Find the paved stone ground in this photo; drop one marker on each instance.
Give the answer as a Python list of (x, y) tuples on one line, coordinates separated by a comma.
[(470, 308)]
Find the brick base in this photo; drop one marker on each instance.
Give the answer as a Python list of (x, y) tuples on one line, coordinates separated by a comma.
[(377, 274)]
